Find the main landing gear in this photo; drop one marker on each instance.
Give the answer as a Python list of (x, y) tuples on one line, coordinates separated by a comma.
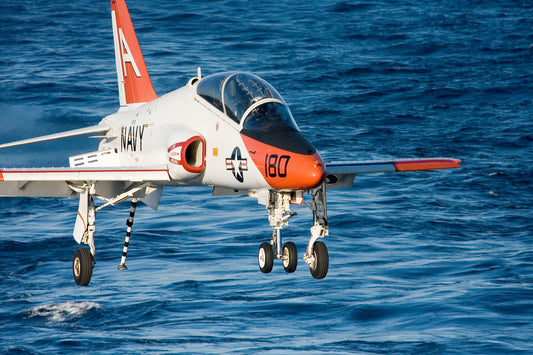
[(83, 262), (278, 207), (82, 266)]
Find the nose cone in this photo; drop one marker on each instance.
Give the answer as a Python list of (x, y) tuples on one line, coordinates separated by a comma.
[(284, 169), (303, 172)]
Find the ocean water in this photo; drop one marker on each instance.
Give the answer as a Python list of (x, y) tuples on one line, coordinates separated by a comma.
[(424, 262)]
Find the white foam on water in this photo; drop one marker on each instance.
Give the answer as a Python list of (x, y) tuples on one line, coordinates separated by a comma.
[(62, 312)]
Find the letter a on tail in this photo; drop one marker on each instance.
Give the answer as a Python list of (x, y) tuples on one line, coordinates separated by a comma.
[(134, 85)]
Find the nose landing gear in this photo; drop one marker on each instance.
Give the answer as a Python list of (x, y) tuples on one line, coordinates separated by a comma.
[(278, 206), (289, 258), (279, 212), (266, 258)]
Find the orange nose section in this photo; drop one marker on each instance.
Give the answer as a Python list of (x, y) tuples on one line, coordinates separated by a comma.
[(303, 172), (286, 170)]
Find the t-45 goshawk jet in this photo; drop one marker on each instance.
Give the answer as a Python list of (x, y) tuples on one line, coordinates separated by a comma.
[(232, 131)]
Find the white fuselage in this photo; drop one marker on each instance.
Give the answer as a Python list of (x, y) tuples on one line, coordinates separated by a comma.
[(141, 137)]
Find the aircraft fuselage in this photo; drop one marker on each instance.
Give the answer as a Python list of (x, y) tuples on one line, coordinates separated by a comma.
[(200, 145)]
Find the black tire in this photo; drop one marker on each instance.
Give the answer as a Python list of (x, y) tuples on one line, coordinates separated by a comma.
[(82, 266), (290, 257), (320, 268), (265, 257)]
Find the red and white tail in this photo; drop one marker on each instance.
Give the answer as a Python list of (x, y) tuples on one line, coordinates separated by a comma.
[(134, 85)]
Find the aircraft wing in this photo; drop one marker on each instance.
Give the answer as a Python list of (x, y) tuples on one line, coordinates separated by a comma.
[(65, 182), (342, 174), (66, 134)]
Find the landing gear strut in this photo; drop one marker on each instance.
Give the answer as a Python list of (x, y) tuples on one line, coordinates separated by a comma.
[(317, 254), (278, 204), (83, 262)]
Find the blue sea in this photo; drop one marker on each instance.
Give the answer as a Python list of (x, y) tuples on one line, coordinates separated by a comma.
[(420, 263)]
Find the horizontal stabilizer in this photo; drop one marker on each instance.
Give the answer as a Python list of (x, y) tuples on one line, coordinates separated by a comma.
[(66, 134)]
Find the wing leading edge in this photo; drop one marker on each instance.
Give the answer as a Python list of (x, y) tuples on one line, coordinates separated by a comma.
[(66, 134), (342, 174)]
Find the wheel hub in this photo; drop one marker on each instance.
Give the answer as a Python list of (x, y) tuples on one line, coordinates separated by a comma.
[(262, 258), (285, 257), (77, 267)]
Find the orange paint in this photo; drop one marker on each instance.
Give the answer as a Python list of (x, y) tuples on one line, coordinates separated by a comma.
[(82, 220), (283, 169), (138, 87), (427, 164), (1, 176)]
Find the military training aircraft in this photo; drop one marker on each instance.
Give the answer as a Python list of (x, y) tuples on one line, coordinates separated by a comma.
[(232, 131)]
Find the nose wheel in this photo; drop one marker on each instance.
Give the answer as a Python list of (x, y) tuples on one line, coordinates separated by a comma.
[(289, 257), (266, 258), (278, 207)]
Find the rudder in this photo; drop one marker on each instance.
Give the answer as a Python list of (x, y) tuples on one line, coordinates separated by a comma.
[(134, 85)]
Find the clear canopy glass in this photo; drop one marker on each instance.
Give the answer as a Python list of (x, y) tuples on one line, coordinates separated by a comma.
[(243, 96)]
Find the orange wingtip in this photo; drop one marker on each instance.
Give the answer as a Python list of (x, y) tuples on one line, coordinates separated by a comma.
[(1, 176), (427, 164)]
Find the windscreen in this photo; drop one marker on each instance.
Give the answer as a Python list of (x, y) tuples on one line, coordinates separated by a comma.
[(269, 117)]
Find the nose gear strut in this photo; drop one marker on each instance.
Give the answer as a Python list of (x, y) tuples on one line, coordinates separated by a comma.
[(278, 206)]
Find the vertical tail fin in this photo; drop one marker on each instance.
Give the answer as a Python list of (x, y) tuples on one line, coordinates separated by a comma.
[(134, 85)]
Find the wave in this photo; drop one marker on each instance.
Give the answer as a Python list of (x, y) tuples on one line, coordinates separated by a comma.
[(63, 312)]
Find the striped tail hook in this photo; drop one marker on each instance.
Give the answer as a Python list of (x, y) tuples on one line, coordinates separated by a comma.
[(129, 224)]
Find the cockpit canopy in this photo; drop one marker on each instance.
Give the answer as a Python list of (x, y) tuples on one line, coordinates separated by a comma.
[(247, 99)]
